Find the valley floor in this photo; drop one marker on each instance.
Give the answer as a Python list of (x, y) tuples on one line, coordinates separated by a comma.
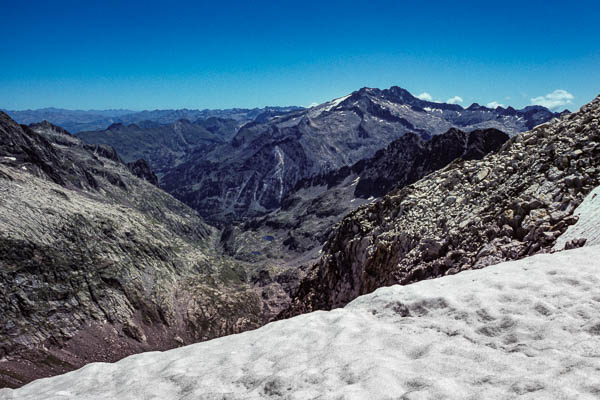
[(527, 329)]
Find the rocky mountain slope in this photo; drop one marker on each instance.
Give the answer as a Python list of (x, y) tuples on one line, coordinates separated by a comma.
[(251, 175), (296, 231), (471, 214), (96, 263), (163, 146), (523, 329), (79, 120)]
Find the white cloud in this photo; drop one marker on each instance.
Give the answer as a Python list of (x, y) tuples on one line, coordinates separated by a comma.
[(554, 100), (454, 100), (425, 96), (495, 104)]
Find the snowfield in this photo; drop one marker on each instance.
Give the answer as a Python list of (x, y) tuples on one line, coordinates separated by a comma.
[(527, 329)]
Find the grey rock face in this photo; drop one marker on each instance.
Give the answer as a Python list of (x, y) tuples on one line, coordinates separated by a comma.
[(471, 214), (251, 175), (141, 169), (97, 264)]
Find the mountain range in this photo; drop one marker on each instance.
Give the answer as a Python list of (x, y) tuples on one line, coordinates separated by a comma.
[(238, 163), (250, 175), (282, 215), (81, 120), (299, 228)]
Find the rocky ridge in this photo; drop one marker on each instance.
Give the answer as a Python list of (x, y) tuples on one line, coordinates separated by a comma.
[(469, 215)]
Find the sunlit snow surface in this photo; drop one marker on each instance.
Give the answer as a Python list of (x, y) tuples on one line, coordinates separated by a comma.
[(527, 329), (588, 226)]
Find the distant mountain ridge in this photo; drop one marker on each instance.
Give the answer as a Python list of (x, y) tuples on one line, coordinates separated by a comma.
[(231, 164), (85, 120), (164, 146)]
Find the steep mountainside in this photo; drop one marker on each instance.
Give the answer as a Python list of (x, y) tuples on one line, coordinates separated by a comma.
[(469, 215), (96, 264), (252, 174), (301, 225), (78, 120), (527, 329), (163, 146)]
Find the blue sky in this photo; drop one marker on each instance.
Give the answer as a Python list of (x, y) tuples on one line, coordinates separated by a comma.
[(146, 54)]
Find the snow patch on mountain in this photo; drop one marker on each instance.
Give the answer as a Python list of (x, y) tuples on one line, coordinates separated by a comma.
[(528, 328), (588, 225), (334, 103)]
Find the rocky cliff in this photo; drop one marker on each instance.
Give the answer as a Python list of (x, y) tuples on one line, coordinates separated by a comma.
[(471, 214)]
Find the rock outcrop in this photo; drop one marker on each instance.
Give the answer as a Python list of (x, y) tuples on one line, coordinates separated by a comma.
[(469, 215), (141, 169)]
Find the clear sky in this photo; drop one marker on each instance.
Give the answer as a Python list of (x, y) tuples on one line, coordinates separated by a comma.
[(220, 54)]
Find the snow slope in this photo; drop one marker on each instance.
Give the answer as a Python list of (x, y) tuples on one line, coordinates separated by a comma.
[(588, 226), (527, 329)]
